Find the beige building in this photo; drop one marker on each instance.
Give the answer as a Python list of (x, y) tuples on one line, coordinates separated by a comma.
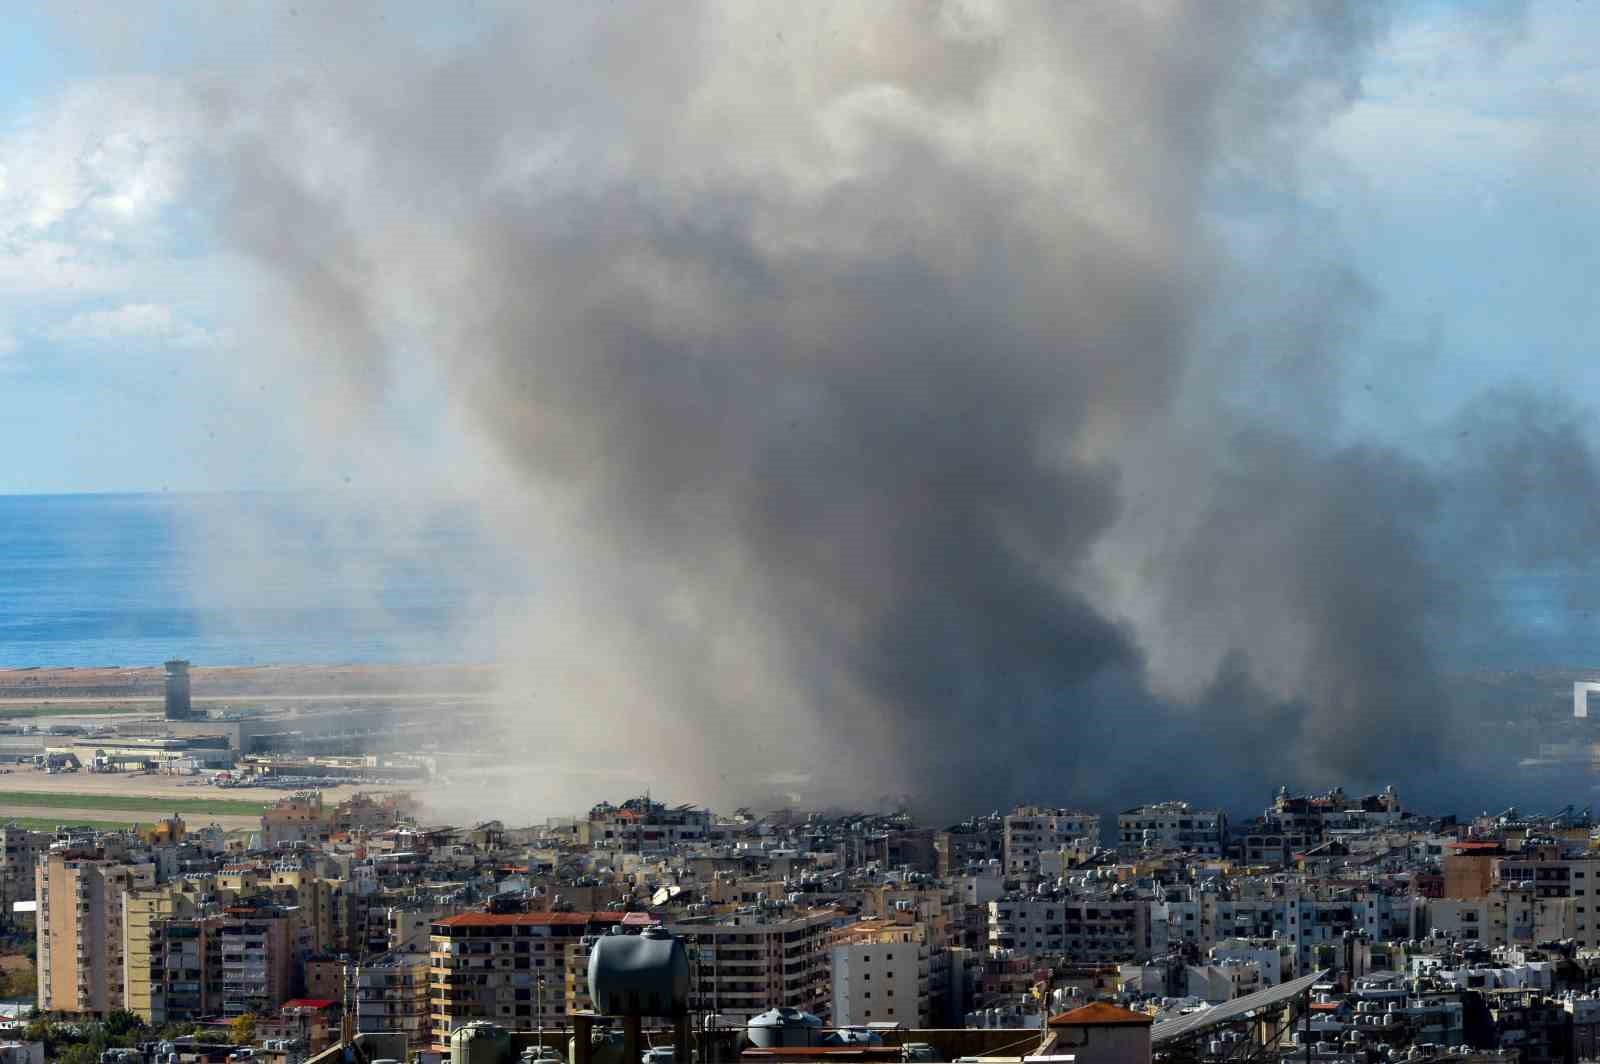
[(392, 995), (487, 966), (80, 939), (164, 956), (743, 968), (298, 817)]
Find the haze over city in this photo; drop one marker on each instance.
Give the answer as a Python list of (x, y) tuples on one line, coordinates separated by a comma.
[(734, 531), (951, 403)]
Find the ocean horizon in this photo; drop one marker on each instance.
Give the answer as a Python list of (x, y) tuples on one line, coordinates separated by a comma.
[(237, 578)]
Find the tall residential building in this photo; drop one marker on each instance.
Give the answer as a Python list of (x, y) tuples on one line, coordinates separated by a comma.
[(80, 940), (256, 958), (164, 956), (880, 974), (20, 850), (743, 968), (486, 966), (1031, 830), (392, 995)]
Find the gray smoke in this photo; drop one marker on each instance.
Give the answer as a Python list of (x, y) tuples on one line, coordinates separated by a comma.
[(880, 399)]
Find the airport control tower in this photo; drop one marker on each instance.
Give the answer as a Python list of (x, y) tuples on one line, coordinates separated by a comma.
[(178, 707)]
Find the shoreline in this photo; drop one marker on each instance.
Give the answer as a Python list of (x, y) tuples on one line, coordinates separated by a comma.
[(116, 683)]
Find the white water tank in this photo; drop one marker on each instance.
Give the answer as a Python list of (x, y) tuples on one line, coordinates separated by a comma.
[(783, 1028)]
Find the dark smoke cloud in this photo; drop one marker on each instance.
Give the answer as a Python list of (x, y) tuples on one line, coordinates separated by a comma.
[(850, 374)]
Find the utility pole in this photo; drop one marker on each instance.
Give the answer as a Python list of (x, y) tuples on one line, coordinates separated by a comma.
[(541, 1016)]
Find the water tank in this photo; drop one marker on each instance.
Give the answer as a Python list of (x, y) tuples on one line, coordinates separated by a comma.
[(606, 1046), (784, 1027), (640, 975), (480, 1043)]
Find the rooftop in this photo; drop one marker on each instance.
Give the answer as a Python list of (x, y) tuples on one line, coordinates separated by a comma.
[(529, 919), (1100, 1014)]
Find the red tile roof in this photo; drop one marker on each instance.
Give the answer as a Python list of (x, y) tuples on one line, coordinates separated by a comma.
[(310, 1003), (1099, 1014)]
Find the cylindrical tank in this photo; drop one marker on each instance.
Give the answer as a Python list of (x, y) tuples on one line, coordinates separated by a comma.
[(640, 975), (606, 1046), (782, 1028), (480, 1043)]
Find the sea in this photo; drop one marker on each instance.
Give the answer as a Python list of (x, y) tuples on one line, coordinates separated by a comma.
[(240, 579), (260, 578)]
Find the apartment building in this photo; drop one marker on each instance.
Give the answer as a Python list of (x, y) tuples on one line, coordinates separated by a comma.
[(391, 994), (165, 956), (1172, 827), (486, 966), (1549, 874), (20, 850), (295, 818), (79, 941), (1031, 830), (1513, 917), (744, 967), (880, 973), (1083, 929), (639, 825), (256, 959)]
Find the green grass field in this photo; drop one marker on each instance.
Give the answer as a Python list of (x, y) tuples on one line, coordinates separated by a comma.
[(50, 823), (140, 803), (26, 710)]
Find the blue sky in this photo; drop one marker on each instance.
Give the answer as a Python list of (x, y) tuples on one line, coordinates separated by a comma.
[(1459, 187)]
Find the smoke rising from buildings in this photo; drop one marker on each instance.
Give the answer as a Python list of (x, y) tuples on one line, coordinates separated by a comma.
[(892, 398)]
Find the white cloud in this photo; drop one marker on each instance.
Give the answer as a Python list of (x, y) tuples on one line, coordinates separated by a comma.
[(134, 322), (86, 184)]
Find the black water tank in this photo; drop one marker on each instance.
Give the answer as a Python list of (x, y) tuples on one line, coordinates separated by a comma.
[(640, 975)]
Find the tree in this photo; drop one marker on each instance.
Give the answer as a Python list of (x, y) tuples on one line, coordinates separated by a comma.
[(122, 1023), (243, 1029)]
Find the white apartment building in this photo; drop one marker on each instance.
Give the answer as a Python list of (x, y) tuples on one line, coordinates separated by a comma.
[(1172, 827), (880, 982), (1275, 960), (1032, 830)]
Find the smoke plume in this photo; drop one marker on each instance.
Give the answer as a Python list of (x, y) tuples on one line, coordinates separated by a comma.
[(882, 396)]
